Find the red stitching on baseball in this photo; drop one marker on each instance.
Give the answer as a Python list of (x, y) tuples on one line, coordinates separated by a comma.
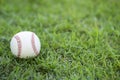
[(19, 45), (33, 44)]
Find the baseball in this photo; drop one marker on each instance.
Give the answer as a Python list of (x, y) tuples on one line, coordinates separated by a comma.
[(25, 44)]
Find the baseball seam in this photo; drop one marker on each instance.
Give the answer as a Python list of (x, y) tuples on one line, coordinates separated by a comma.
[(19, 45), (33, 44)]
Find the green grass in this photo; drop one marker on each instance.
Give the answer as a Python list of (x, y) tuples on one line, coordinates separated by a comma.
[(80, 39)]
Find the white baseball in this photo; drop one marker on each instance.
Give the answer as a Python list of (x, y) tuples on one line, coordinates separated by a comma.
[(25, 44)]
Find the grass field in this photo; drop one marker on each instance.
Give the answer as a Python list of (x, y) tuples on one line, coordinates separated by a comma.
[(80, 39)]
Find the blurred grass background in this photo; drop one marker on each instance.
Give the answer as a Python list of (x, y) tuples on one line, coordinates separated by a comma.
[(80, 39)]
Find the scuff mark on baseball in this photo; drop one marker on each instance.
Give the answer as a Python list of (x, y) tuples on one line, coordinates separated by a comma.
[(25, 44)]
